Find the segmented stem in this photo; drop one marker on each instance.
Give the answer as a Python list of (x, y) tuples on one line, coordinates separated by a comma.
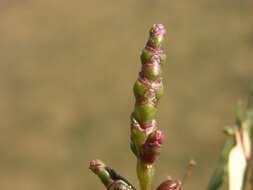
[(148, 89)]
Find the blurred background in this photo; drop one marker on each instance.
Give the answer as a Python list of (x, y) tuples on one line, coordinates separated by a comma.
[(66, 75)]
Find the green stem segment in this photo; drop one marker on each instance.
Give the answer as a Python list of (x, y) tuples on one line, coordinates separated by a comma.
[(110, 179), (145, 175), (148, 89)]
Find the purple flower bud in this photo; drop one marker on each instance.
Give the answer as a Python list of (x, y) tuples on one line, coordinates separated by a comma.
[(95, 165), (157, 30), (155, 139), (156, 33), (170, 185), (150, 149)]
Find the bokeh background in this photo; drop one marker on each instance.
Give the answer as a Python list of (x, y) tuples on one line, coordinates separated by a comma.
[(66, 75)]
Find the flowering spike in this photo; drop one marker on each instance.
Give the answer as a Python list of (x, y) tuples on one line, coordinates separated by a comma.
[(146, 139), (148, 89)]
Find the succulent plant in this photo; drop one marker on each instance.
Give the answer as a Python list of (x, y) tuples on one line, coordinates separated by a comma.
[(146, 139)]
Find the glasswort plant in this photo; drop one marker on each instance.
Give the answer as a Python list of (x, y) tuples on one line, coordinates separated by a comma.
[(146, 139)]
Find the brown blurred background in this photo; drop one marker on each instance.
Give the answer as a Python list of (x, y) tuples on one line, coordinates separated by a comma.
[(66, 75)]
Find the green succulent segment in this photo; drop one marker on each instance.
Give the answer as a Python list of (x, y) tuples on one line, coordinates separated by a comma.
[(140, 135), (110, 179), (148, 89)]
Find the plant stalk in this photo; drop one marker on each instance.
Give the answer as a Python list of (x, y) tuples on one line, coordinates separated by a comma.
[(146, 139)]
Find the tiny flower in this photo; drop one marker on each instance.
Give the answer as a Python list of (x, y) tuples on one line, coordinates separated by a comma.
[(95, 165), (157, 33), (151, 148), (157, 30)]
